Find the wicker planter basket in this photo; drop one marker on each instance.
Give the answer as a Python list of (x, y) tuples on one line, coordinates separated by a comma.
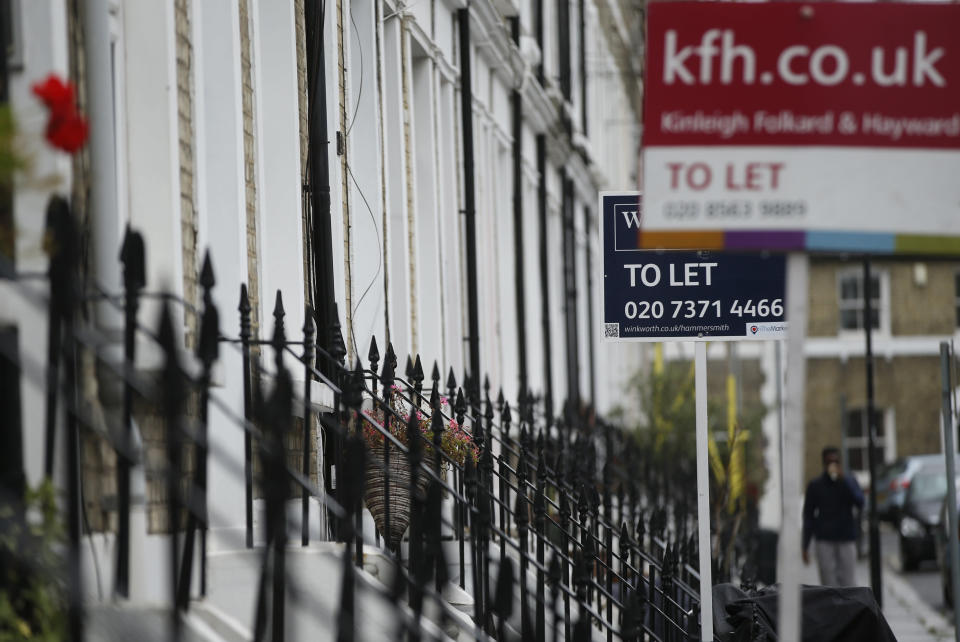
[(399, 490)]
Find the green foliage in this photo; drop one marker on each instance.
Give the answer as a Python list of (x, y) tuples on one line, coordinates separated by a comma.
[(10, 158), (665, 423), (32, 594)]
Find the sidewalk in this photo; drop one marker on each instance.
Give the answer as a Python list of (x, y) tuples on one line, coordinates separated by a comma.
[(910, 618)]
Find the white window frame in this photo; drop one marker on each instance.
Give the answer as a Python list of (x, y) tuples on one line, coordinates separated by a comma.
[(888, 441), (883, 306)]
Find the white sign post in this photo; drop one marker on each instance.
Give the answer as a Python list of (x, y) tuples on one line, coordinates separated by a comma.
[(703, 492)]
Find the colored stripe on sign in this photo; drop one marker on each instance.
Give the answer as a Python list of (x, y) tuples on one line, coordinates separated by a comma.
[(918, 244), (765, 239), (872, 242), (686, 240), (794, 240)]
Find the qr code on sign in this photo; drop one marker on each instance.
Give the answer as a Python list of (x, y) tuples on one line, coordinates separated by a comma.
[(611, 330)]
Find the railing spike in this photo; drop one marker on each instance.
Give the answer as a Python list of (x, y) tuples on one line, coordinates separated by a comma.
[(417, 374), (460, 407), (278, 311), (207, 278), (435, 396), (208, 345), (353, 388), (391, 356), (244, 306), (451, 382), (338, 349), (373, 354), (133, 257)]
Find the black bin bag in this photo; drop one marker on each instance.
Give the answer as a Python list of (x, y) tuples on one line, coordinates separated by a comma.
[(829, 613)]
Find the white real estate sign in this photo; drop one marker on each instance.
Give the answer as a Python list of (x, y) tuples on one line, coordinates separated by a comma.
[(817, 127)]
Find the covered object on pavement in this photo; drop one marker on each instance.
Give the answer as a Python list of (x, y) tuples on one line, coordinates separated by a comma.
[(829, 613)]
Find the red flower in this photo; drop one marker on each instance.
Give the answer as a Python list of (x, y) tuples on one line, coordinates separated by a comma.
[(68, 133), (67, 129), (55, 94)]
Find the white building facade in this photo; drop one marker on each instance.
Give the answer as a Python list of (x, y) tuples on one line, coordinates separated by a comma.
[(319, 148)]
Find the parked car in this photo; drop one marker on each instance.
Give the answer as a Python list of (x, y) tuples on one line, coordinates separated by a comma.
[(920, 515), (893, 482)]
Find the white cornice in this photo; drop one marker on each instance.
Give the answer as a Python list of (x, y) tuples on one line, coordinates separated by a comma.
[(539, 111), (888, 347), (621, 47), (489, 35)]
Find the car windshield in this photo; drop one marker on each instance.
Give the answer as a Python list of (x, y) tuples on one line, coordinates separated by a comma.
[(929, 487), (894, 469)]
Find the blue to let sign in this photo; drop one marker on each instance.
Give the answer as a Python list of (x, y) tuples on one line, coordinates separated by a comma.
[(651, 295)]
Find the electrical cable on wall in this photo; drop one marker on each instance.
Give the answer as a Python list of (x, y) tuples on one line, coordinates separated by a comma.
[(363, 197)]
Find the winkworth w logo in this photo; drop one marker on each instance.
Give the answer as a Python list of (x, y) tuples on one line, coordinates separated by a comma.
[(628, 216)]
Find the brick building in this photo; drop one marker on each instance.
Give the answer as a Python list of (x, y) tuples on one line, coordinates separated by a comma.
[(916, 307)]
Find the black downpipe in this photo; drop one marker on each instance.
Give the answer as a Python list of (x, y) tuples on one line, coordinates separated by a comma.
[(318, 177), (591, 337), (469, 201), (563, 45), (517, 105), (567, 216), (570, 297), (321, 228), (545, 274), (8, 247), (582, 25), (538, 26), (876, 567)]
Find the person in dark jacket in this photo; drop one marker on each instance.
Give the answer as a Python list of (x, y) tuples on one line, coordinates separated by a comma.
[(828, 518)]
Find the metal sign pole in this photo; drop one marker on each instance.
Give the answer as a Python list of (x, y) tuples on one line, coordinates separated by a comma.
[(788, 558), (876, 573), (953, 545), (703, 492)]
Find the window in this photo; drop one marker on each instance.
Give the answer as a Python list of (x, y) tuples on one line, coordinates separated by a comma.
[(850, 300), (855, 442), (12, 34)]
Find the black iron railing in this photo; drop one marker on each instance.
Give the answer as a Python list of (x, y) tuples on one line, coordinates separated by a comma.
[(560, 527)]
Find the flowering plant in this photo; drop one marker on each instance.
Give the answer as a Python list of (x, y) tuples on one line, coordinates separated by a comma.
[(67, 129), (455, 442)]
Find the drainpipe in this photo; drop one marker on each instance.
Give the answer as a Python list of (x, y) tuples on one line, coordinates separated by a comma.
[(563, 45), (591, 337), (105, 228), (538, 27), (318, 174), (517, 106), (469, 202), (582, 22), (569, 240), (544, 275), (570, 297)]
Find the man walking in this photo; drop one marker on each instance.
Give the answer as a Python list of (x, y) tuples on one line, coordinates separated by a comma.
[(828, 518)]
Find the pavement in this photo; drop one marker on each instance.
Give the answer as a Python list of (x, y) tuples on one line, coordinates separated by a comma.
[(910, 617)]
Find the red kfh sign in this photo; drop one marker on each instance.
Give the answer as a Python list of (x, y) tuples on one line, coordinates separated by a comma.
[(819, 126)]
